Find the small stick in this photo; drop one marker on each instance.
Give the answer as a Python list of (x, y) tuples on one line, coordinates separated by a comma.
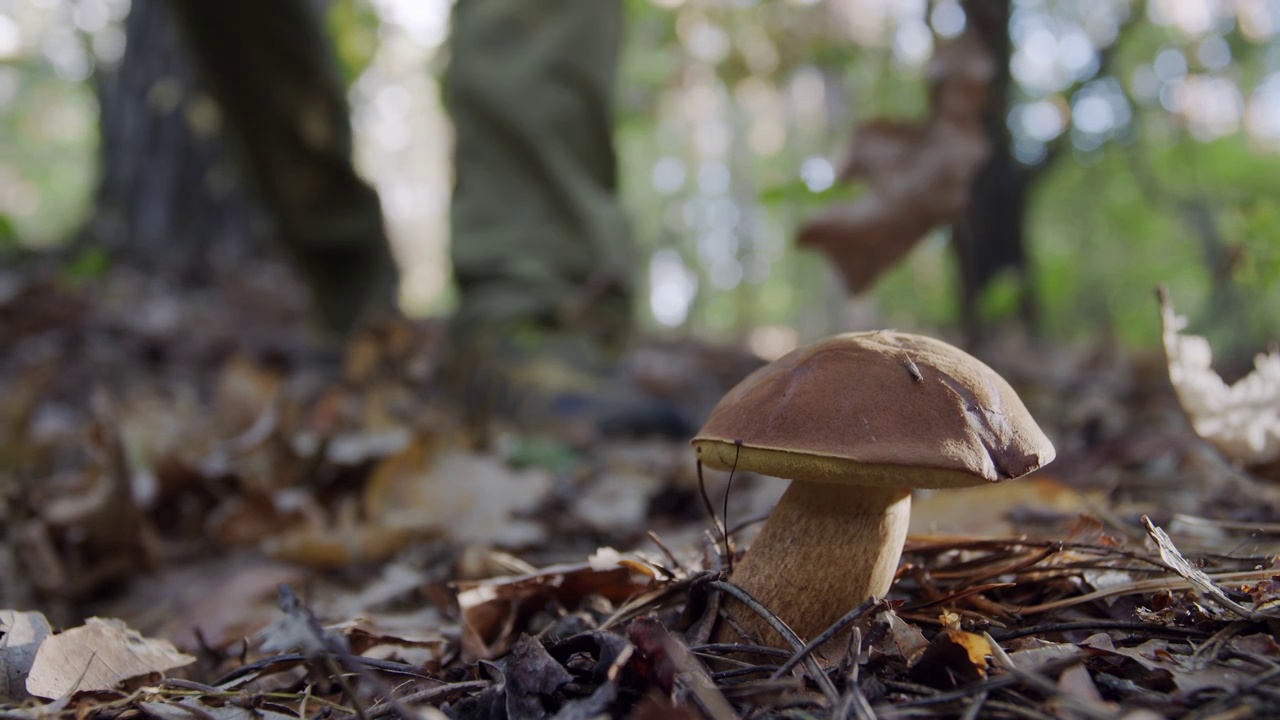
[(671, 557), (780, 627), (836, 628), (737, 453), (711, 510)]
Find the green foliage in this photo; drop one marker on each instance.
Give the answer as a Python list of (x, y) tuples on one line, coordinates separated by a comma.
[(87, 264), (794, 193), (353, 25), (8, 234)]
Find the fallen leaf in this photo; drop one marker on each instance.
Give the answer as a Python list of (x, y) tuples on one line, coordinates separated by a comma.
[(217, 605), (1189, 673), (1078, 696), (919, 173), (1241, 420), (1034, 653), (894, 637), (490, 608), (530, 675), (99, 655), (21, 634), (953, 658), (416, 646), (468, 497)]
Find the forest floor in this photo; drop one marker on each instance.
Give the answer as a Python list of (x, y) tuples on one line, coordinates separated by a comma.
[(202, 517)]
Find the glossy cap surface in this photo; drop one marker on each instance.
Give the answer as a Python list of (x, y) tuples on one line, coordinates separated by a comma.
[(879, 408)]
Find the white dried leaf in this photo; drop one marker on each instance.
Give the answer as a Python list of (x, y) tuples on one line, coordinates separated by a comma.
[(472, 498), (98, 655), (21, 634), (1241, 420)]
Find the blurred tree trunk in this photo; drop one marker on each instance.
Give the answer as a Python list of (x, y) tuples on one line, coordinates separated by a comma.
[(274, 73), (169, 200), (990, 238)]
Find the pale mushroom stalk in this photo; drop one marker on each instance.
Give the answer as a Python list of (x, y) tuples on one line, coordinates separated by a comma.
[(825, 548)]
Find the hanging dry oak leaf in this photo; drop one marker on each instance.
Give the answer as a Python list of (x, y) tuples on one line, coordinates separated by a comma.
[(99, 655), (919, 173), (1241, 420)]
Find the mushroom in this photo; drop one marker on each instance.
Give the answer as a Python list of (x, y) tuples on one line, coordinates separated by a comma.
[(856, 421)]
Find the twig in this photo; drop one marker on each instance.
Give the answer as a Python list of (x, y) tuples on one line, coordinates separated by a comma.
[(715, 519), (854, 702), (988, 685), (739, 672), (671, 557), (956, 595), (1208, 652), (644, 603), (1019, 709), (430, 695), (1100, 625), (1141, 586), (836, 628), (780, 627), (975, 707), (740, 648), (1198, 578)]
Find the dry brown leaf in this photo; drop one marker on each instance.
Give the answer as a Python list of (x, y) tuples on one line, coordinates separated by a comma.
[(216, 605), (254, 515), (410, 495), (490, 608), (99, 655), (953, 658), (919, 173), (341, 546), (1189, 673), (413, 643), (1241, 420), (245, 391), (1076, 688), (1034, 653), (897, 638), (468, 497), (21, 634)]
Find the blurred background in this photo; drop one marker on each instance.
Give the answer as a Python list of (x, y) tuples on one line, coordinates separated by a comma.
[(1143, 147)]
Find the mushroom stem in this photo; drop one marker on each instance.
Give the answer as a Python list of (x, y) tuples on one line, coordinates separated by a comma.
[(825, 548)]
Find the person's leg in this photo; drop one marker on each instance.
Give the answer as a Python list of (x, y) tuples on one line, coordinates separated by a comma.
[(538, 230), (540, 243), (273, 72)]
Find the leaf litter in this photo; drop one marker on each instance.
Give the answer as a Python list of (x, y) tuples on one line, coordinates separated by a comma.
[(280, 535)]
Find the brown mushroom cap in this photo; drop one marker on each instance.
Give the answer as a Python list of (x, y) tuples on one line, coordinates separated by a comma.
[(880, 408)]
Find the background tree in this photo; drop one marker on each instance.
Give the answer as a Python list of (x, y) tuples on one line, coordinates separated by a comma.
[(169, 198)]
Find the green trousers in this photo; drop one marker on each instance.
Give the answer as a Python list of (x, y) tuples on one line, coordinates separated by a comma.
[(538, 232), (537, 229)]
